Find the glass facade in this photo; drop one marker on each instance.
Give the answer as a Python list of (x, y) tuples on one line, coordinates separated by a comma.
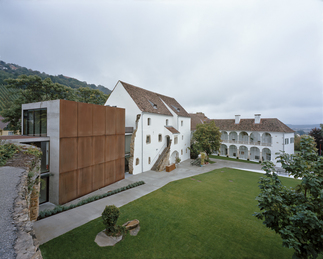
[(35, 122)]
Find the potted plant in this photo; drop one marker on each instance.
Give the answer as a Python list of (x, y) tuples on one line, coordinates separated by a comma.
[(177, 161)]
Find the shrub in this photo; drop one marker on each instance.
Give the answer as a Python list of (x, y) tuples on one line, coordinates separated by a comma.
[(110, 217)]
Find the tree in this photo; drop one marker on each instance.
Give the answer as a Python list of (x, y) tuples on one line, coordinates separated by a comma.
[(316, 133), (297, 142), (32, 89), (89, 95), (207, 138), (296, 214)]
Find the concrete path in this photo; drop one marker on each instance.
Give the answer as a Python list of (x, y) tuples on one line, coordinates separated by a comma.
[(54, 226)]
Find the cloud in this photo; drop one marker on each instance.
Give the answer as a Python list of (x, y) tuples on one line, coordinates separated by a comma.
[(219, 57)]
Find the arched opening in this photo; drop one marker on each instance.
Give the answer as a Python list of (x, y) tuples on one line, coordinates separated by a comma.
[(255, 138), (233, 137), (224, 136), (266, 139), (168, 141), (243, 137), (266, 154), (233, 151), (173, 157), (254, 153), (223, 150), (243, 152)]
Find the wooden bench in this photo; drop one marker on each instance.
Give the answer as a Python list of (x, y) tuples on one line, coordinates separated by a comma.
[(170, 168)]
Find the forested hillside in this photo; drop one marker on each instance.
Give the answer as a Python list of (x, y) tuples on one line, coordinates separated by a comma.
[(14, 71)]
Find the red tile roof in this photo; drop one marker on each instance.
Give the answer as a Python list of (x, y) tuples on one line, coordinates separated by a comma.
[(172, 129), (270, 125), (197, 118), (148, 101)]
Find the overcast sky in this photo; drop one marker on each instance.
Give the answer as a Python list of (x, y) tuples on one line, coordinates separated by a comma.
[(218, 57)]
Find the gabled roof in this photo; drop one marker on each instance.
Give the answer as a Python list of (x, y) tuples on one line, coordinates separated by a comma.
[(148, 101), (197, 118), (270, 125)]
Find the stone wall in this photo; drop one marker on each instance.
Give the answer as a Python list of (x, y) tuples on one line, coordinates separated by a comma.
[(26, 205)]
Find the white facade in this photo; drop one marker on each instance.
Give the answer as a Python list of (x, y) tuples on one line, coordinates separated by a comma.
[(150, 132)]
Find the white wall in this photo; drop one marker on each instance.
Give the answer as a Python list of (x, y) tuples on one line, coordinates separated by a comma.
[(120, 98)]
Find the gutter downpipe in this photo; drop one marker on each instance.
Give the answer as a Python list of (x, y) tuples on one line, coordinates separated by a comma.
[(142, 143)]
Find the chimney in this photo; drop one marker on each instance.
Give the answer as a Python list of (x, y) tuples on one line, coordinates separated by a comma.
[(257, 118), (237, 119)]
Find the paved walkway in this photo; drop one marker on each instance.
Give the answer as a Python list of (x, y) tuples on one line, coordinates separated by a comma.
[(54, 226)]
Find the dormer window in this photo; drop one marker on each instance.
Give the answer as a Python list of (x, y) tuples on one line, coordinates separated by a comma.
[(177, 109), (152, 104)]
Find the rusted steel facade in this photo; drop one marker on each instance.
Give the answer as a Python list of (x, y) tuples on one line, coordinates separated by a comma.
[(92, 148)]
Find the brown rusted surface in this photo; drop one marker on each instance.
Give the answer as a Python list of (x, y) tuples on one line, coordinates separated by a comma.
[(110, 117), (84, 119), (84, 152), (98, 120), (68, 119), (98, 149), (170, 168), (68, 154), (92, 156), (98, 176), (84, 181), (67, 186)]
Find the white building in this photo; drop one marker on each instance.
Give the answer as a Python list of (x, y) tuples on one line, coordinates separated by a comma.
[(254, 139), (161, 127)]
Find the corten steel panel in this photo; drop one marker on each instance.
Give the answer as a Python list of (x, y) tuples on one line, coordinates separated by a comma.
[(98, 119), (68, 119), (68, 155), (67, 187), (120, 146), (98, 176), (110, 147), (84, 119), (110, 115), (109, 173), (120, 121), (98, 149), (120, 168), (84, 181), (84, 151)]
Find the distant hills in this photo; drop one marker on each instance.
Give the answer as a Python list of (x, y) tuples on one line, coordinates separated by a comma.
[(9, 70), (303, 128)]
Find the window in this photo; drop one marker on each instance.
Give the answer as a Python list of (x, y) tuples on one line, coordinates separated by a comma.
[(160, 138), (286, 141), (148, 140), (137, 161), (149, 160), (175, 140), (182, 137), (291, 140), (35, 122), (167, 122), (148, 121), (181, 151), (182, 123)]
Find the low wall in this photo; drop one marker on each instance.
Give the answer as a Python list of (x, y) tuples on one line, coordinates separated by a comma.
[(25, 207)]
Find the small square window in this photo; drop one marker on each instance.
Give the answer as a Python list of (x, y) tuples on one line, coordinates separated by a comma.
[(181, 151), (167, 122), (149, 160), (182, 123), (148, 140), (160, 137), (175, 140), (148, 121)]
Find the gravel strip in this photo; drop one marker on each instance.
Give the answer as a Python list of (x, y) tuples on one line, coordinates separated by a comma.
[(9, 179)]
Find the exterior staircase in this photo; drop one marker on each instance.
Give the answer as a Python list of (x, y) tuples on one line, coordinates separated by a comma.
[(162, 160)]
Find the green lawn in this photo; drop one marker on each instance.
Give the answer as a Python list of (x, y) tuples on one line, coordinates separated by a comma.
[(206, 216), (233, 159)]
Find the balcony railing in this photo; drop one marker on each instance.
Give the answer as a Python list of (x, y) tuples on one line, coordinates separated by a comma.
[(254, 143)]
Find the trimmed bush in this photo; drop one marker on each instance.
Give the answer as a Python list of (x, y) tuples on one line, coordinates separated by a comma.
[(110, 217)]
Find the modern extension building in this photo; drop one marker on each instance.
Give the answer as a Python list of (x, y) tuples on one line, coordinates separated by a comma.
[(82, 144), (161, 127)]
